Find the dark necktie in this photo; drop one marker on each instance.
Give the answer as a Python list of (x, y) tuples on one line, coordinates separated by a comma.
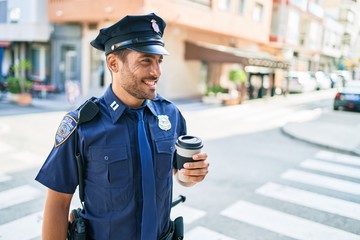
[(149, 221)]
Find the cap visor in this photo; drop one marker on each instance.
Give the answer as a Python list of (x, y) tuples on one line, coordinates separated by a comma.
[(152, 49)]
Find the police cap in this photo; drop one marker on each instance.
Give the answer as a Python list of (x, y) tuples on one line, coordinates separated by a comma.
[(141, 33)]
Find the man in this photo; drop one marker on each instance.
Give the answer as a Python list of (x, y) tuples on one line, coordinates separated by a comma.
[(117, 181)]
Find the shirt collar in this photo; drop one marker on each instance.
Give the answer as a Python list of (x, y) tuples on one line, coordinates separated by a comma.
[(116, 107)]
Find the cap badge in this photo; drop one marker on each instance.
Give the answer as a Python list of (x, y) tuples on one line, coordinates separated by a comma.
[(155, 26), (164, 122)]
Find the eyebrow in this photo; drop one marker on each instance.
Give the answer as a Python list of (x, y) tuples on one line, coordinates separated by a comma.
[(152, 56)]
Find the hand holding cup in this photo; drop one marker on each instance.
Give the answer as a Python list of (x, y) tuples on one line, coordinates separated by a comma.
[(191, 162)]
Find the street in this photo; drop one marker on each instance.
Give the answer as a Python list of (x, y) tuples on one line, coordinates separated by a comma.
[(262, 183)]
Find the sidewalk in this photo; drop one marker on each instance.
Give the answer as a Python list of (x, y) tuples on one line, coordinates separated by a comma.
[(55, 102), (334, 130)]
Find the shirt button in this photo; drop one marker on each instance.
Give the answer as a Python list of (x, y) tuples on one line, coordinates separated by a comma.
[(106, 158)]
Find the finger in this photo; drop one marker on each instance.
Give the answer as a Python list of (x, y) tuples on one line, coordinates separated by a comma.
[(195, 172), (200, 156), (197, 164)]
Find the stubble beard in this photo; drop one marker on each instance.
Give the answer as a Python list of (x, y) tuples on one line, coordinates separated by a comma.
[(132, 85)]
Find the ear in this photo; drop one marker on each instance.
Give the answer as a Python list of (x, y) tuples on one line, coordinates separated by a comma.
[(113, 63)]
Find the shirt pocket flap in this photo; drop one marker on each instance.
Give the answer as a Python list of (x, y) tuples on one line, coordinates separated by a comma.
[(165, 146), (109, 154)]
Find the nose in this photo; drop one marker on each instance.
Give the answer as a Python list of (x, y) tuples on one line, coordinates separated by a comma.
[(156, 70)]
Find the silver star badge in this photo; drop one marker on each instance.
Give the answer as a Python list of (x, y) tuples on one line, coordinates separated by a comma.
[(164, 122)]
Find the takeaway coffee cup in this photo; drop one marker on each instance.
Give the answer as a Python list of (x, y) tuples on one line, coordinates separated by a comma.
[(186, 147)]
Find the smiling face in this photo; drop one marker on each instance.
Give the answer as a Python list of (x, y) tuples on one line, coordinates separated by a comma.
[(135, 77)]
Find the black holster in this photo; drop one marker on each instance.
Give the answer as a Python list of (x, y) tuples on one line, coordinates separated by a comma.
[(175, 231), (76, 228)]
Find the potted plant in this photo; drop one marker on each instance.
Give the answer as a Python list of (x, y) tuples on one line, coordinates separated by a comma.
[(214, 94), (19, 86)]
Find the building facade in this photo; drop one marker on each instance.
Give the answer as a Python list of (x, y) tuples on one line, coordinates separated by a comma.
[(204, 37), (317, 34), (347, 14), (297, 30), (25, 34)]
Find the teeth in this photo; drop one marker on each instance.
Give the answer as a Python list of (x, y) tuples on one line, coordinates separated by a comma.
[(150, 83)]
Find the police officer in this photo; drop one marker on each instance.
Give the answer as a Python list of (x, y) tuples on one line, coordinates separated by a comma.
[(112, 145)]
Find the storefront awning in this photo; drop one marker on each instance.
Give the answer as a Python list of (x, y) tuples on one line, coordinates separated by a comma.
[(218, 53)]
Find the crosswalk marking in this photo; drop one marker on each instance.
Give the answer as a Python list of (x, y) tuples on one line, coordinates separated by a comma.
[(4, 177), (312, 200), (283, 223), (190, 214), (29, 227), (18, 195), (322, 181), (204, 233), (338, 157), (331, 168), (25, 228)]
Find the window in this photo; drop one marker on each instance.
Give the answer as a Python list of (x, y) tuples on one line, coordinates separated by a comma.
[(293, 27), (224, 5), (35, 62), (39, 59), (241, 7), (347, 16), (350, 17), (3, 11), (258, 12), (15, 15), (346, 39)]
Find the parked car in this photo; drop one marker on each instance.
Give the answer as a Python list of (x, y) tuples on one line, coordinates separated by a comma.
[(322, 80), (298, 82), (348, 97)]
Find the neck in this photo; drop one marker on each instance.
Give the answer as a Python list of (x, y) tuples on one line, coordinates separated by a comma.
[(126, 98)]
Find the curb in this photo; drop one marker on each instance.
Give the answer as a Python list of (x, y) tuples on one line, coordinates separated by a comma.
[(355, 152)]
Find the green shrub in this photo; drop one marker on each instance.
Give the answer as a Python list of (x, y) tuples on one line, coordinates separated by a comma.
[(214, 90), (17, 83)]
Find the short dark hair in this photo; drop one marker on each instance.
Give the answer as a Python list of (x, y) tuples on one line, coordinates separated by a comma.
[(122, 53)]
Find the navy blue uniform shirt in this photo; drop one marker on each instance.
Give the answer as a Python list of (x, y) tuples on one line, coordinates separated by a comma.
[(108, 145)]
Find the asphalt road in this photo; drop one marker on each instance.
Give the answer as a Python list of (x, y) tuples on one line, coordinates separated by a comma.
[(262, 184)]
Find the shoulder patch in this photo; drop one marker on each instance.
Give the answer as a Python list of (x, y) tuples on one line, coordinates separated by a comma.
[(66, 128)]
